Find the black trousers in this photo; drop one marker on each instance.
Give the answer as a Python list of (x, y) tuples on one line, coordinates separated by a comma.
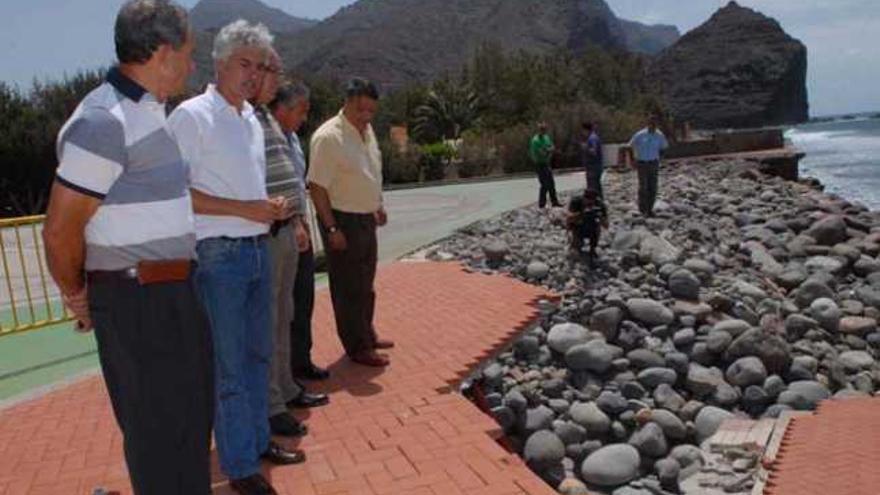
[(586, 230), (547, 186), (303, 307), (648, 179), (594, 179), (154, 345), (352, 273)]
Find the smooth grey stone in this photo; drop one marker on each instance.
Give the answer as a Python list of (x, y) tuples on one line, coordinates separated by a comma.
[(539, 418), (570, 432), (611, 402), (856, 360), (515, 400), (612, 465), (652, 377), (673, 427), (644, 358), (591, 418), (804, 395), (734, 328), (564, 336), (708, 421), (650, 312), (543, 448), (650, 441), (667, 398), (746, 371)]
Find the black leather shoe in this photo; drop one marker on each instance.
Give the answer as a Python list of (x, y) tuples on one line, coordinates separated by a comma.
[(285, 425), (254, 484), (307, 399), (311, 372), (278, 455)]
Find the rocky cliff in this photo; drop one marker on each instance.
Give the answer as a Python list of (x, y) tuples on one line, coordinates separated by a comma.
[(395, 42), (739, 69)]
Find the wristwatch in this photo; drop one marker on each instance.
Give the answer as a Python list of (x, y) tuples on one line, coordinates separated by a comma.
[(332, 229)]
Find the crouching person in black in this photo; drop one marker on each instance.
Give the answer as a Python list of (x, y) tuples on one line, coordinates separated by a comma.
[(586, 218)]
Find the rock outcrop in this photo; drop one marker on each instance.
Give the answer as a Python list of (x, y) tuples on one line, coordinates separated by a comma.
[(739, 69)]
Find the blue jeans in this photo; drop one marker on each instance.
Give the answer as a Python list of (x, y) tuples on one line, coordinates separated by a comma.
[(234, 282)]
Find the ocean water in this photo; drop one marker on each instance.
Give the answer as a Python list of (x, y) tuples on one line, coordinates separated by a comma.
[(844, 155)]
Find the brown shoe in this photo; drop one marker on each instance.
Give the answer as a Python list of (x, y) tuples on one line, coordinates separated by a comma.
[(383, 344), (371, 358)]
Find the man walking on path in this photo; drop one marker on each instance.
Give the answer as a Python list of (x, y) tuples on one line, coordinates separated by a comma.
[(223, 144), (120, 242), (648, 145), (291, 109), (591, 157), (541, 153), (284, 241), (345, 180)]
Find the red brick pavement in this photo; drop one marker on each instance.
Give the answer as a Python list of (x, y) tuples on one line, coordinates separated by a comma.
[(833, 452), (395, 431)]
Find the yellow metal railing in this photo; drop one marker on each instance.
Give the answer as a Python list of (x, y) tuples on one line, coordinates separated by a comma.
[(29, 299)]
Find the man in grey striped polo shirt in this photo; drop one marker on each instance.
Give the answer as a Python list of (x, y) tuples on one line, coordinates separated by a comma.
[(287, 239), (120, 242)]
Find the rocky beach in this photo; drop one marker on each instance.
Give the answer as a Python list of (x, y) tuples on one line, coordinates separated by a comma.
[(745, 296)]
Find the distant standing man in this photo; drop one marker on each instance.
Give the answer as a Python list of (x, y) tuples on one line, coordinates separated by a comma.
[(120, 242), (345, 179), (591, 150), (648, 145), (223, 143), (291, 109), (541, 153)]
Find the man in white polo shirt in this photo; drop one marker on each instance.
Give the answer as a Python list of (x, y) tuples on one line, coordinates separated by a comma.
[(120, 243), (222, 142)]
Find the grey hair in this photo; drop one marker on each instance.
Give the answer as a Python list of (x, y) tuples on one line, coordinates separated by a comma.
[(290, 93), (240, 34), (142, 26)]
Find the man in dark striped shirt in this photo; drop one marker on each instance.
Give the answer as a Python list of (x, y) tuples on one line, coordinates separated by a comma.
[(287, 239)]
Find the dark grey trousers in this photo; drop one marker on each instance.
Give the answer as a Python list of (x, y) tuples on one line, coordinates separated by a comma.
[(594, 179), (303, 307), (648, 178), (154, 344), (352, 273)]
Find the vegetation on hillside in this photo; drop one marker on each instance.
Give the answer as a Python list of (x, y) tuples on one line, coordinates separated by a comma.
[(477, 121)]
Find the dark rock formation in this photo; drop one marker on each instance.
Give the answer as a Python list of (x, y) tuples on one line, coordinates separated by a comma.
[(395, 42), (739, 69)]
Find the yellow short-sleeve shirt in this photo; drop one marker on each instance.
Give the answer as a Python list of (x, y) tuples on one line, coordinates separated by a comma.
[(347, 165)]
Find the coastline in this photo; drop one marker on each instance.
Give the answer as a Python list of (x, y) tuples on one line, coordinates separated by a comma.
[(746, 296)]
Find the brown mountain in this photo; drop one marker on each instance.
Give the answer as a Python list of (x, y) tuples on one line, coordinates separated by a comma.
[(399, 41), (213, 14), (739, 69)]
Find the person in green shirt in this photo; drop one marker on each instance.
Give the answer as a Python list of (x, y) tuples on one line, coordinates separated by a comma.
[(541, 153)]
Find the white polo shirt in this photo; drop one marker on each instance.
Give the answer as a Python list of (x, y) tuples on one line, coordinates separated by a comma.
[(226, 157)]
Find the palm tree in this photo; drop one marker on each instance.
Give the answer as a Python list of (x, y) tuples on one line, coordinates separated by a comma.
[(448, 110)]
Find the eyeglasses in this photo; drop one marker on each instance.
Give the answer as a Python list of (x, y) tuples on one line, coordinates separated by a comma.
[(271, 69)]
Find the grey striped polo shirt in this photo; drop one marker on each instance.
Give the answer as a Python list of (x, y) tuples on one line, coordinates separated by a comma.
[(115, 147)]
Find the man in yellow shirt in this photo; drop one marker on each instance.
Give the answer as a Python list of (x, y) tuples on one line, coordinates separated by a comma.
[(345, 179)]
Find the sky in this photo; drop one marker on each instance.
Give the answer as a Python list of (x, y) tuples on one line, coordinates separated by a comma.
[(42, 39)]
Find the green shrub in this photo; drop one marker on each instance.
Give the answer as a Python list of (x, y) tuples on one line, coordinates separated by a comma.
[(398, 167), (435, 159)]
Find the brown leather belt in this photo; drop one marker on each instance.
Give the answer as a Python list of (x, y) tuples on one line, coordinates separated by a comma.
[(146, 272)]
